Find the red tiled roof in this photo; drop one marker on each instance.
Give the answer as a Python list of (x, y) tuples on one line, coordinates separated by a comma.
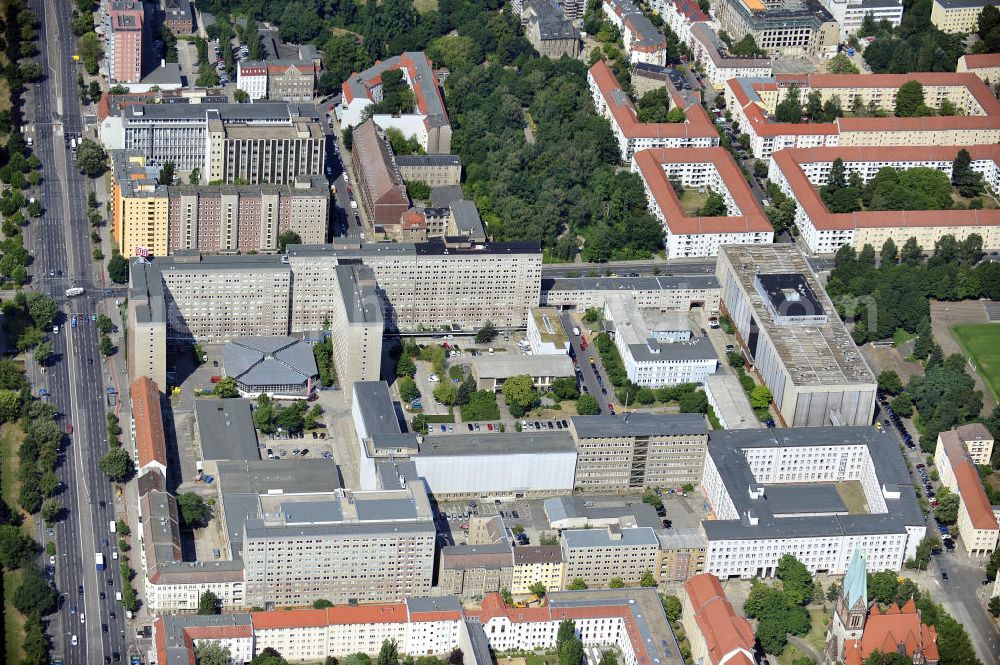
[(724, 630), (764, 126), (149, 440), (791, 159), (697, 124), (970, 485), (346, 615), (982, 60), (650, 164), (891, 630)]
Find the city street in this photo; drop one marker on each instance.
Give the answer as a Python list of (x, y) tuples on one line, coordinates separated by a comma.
[(59, 241)]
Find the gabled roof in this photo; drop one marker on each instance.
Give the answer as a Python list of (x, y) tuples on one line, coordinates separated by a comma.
[(149, 439), (725, 632), (894, 630)]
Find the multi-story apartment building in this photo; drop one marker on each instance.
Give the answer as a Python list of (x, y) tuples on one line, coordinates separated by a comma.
[(629, 621), (356, 326), (803, 26), (662, 354), (713, 169), (957, 16), (433, 170), (281, 80), (984, 65), (977, 524), (435, 284), (598, 556), (212, 298), (643, 450), (475, 570), (123, 40), (682, 554), (380, 184), (535, 564), (774, 492), (662, 293), (171, 584), (643, 42), (753, 102), (978, 442), (256, 143), (157, 219), (801, 172), (147, 324), (720, 65), (613, 103), (681, 16), (428, 122), (345, 547), (787, 327)]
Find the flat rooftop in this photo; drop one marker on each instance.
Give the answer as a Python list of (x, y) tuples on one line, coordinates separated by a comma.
[(549, 325), (497, 443), (627, 284), (226, 429), (640, 424), (504, 365), (814, 355), (808, 510)]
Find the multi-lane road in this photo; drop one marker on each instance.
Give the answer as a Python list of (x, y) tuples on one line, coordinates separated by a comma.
[(60, 244)]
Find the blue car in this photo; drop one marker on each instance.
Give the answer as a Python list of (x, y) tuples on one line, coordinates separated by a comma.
[(443, 428)]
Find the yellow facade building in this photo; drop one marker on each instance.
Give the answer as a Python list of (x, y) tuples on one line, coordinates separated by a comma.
[(957, 16)]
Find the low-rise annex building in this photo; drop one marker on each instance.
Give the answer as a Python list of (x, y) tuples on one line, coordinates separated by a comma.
[(662, 293), (753, 102), (800, 172), (613, 103), (690, 234)]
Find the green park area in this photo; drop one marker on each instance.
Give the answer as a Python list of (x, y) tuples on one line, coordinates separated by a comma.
[(981, 343)]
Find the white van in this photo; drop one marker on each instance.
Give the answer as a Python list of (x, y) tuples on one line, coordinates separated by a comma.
[(112, 527)]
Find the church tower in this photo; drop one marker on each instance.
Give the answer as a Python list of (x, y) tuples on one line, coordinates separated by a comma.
[(851, 610)]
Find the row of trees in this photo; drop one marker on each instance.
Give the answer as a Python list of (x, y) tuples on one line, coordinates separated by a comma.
[(268, 417), (889, 291)]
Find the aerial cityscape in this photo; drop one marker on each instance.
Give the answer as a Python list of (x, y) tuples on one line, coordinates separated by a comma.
[(475, 332)]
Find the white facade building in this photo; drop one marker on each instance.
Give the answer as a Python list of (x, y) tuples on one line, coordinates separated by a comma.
[(650, 358), (773, 492)]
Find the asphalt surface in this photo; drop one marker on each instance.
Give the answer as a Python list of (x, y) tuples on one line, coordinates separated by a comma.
[(587, 373), (59, 241)]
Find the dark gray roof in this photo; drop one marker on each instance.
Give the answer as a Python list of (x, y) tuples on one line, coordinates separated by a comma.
[(378, 414), (726, 449), (359, 293), (167, 73), (467, 219), (551, 22), (268, 361), (963, 4), (269, 113), (571, 507), (433, 604), (385, 510), (464, 557), (226, 429), (718, 51), (786, 499), (312, 512), (647, 34), (699, 348), (442, 197), (390, 471), (631, 537), (669, 282), (174, 625), (480, 443), (284, 475), (640, 424)]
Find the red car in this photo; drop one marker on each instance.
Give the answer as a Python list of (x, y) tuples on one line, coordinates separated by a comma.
[(69, 428)]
